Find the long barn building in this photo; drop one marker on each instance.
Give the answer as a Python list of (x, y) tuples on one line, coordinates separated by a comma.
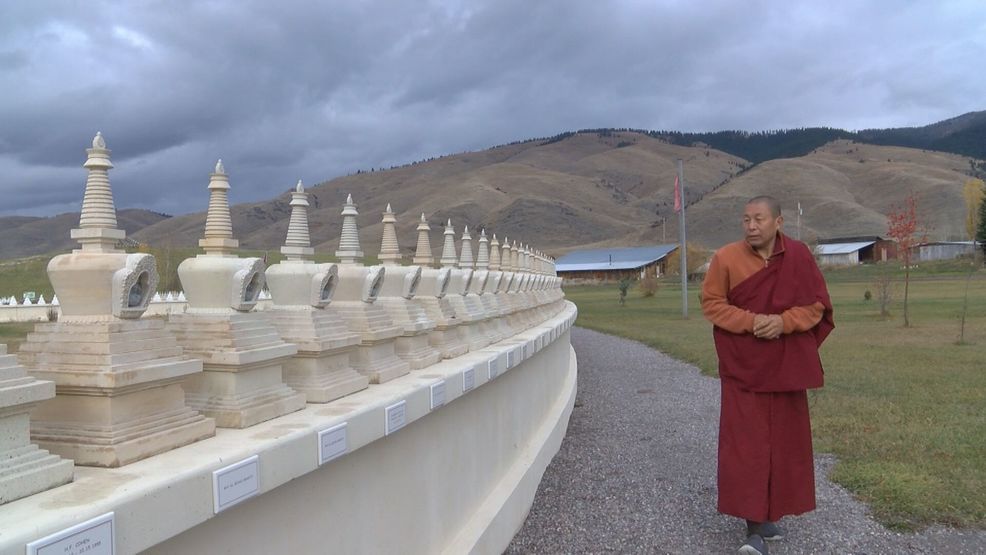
[(614, 264)]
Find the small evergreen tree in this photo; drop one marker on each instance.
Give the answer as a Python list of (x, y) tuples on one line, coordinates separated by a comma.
[(624, 286)]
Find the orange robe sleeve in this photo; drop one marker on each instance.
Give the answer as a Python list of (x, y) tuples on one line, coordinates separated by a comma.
[(715, 305), (802, 318)]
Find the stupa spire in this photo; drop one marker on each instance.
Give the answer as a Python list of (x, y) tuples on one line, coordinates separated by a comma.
[(465, 250), (505, 264), (390, 252), (483, 254), (349, 250), (448, 259), (298, 245), (97, 229), (494, 254), (423, 254), (218, 237), (515, 257)]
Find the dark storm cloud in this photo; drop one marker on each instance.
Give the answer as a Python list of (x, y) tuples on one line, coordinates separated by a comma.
[(283, 91)]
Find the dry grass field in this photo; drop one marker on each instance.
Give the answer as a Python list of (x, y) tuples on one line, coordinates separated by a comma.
[(845, 190)]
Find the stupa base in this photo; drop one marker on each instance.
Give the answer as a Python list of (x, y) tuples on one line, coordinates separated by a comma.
[(111, 431), (323, 377), (28, 470), (416, 351), (447, 342), (241, 397), (379, 362)]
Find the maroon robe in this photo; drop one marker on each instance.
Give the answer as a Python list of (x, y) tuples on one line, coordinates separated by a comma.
[(766, 469)]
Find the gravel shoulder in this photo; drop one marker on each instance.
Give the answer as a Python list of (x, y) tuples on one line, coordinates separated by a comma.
[(636, 472)]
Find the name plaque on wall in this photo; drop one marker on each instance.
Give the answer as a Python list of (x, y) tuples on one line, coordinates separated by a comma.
[(468, 379), (332, 443), (518, 355), (92, 537), (437, 394), (235, 483), (396, 417)]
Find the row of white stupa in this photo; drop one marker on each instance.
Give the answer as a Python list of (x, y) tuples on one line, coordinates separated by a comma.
[(108, 387), (12, 301)]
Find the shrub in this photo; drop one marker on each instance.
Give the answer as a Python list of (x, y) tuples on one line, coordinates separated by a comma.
[(624, 286), (648, 286), (867, 295)]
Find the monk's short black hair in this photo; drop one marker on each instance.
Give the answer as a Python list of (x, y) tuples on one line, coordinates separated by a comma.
[(771, 202)]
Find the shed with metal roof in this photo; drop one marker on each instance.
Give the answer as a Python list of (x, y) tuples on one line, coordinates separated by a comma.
[(614, 263), (841, 254)]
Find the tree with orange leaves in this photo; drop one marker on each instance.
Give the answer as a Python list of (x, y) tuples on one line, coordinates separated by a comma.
[(904, 227)]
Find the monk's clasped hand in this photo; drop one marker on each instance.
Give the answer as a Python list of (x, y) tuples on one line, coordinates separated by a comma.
[(768, 326)]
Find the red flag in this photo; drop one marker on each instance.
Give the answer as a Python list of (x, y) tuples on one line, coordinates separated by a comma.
[(677, 195)]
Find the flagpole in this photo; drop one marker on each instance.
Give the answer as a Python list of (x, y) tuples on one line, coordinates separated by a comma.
[(799, 220), (683, 249)]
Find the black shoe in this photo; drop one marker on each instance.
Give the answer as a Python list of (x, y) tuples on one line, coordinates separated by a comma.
[(754, 546), (769, 531)]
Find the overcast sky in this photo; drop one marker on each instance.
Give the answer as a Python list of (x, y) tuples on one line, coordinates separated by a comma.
[(312, 90)]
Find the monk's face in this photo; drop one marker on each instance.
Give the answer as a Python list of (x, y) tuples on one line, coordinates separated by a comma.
[(760, 225)]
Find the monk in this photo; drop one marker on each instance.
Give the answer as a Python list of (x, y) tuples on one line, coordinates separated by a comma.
[(770, 311)]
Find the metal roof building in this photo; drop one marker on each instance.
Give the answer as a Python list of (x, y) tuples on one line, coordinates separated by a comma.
[(614, 263), (841, 254), (946, 250)]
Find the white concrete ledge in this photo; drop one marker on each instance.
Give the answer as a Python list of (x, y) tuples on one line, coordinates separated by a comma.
[(457, 478)]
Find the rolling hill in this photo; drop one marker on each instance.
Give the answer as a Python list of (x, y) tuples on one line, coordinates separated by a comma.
[(584, 189), (602, 187), (28, 236), (845, 189)]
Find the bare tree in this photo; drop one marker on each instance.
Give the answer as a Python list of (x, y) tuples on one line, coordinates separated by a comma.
[(885, 288)]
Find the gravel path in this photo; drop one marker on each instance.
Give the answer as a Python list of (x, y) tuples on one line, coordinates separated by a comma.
[(636, 472)]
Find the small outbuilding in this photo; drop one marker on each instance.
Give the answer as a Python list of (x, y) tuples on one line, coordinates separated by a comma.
[(842, 254), (844, 251), (614, 264), (946, 250)]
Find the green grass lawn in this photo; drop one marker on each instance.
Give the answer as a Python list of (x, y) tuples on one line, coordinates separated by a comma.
[(28, 274), (904, 409)]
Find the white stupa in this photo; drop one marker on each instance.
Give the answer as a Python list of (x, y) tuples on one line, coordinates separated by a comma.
[(422, 252), (118, 400), (467, 309), (355, 301), (432, 297), (241, 351), (400, 286), (24, 468), (302, 312)]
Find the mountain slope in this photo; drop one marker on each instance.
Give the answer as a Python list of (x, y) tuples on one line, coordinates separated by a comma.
[(845, 189), (602, 187), (27, 236), (964, 135), (585, 188)]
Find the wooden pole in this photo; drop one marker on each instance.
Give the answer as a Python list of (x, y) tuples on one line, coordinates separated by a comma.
[(683, 249)]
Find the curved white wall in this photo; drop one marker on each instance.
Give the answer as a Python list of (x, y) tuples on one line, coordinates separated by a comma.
[(456, 479)]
